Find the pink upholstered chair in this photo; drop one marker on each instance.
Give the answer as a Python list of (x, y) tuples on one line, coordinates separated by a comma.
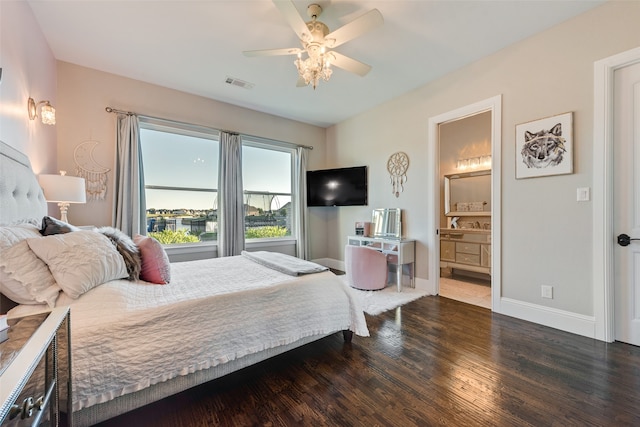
[(366, 268)]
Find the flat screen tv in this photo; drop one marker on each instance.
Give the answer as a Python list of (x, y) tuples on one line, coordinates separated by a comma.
[(337, 187)]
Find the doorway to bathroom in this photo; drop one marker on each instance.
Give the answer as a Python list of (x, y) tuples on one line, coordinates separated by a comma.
[(466, 148), (465, 209)]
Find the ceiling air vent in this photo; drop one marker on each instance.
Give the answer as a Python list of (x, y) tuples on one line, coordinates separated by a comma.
[(240, 83)]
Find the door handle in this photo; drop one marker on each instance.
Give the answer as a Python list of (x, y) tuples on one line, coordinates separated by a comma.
[(625, 239)]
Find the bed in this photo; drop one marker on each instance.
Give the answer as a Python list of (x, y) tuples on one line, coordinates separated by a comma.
[(134, 342)]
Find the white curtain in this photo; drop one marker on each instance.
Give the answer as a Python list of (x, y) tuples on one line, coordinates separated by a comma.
[(129, 212), (230, 196), (300, 207)]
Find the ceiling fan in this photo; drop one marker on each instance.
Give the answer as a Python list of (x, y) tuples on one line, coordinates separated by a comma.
[(318, 42)]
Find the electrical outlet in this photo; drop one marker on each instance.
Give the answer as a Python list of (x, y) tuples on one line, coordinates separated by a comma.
[(547, 291)]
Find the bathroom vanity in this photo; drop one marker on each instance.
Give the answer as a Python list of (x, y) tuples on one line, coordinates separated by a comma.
[(466, 249), (465, 242)]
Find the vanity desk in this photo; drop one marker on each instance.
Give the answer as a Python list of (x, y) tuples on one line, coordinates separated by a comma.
[(404, 251), (386, 229)]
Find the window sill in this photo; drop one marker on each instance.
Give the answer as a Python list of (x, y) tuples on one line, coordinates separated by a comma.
[(261, 243), (194, 248), (212, 248)]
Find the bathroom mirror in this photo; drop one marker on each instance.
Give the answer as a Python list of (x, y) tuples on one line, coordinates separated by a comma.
[(467, 187), (386, 223)]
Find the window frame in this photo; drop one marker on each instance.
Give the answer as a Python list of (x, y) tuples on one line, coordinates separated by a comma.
[(186, 251), (183, 129), (269, 144)]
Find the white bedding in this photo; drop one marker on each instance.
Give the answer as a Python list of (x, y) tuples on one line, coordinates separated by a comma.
[(284, 263), (127, 336)]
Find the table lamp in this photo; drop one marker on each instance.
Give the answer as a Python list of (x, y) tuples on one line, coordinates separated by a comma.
[(64, 190)]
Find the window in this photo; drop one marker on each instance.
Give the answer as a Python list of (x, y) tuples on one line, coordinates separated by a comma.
[(181, 181), (266, 177), (181, 184)]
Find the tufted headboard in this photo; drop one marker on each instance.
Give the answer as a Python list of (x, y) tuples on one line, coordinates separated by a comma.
[(21, 198)]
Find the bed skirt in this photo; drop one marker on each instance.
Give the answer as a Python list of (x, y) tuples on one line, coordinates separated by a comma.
[(104, 411)]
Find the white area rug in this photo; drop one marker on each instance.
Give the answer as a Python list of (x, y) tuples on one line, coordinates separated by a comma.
[(376, 302)]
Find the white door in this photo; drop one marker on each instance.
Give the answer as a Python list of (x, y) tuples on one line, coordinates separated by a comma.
[(626, 194)]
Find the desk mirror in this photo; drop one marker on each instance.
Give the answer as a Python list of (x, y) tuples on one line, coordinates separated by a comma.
[(386, 223)]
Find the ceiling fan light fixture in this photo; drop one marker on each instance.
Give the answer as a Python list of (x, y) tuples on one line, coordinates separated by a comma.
[(314, 68), (317, 39)]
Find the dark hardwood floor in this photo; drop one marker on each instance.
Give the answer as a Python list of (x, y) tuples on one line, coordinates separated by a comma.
[(433, 362)]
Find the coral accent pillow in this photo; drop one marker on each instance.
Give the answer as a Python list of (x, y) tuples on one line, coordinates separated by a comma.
[(155, 262)]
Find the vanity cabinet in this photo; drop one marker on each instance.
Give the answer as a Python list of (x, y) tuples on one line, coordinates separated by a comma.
[(466, 242), (466, 249)]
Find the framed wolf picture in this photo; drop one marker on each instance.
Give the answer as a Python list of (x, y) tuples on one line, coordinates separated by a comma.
[(545, 147)]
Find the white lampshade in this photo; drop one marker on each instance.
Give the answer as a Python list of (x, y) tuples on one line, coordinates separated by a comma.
[(63, 188)]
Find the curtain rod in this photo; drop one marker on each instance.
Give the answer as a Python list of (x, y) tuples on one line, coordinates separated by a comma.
[(131, 113)]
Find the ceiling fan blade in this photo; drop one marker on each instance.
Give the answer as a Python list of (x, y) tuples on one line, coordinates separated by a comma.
[(355, 28), (290, 13), (272, 52), (350, 64)]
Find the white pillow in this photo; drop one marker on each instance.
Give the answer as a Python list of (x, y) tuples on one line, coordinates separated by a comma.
[(10, 235), (24, 278), (21, 270), (80, 261)]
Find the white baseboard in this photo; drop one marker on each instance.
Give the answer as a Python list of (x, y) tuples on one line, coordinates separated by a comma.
[(559, 319), (547, 316), (424, 285)]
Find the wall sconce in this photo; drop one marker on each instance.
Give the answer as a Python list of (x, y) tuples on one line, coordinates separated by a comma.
[(47, 112), (474, 163), (64, 190)]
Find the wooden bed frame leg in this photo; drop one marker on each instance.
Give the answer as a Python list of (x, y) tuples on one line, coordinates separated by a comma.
[(347, 335)]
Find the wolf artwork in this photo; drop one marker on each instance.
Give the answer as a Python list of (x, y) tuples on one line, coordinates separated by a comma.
[(544, 148)]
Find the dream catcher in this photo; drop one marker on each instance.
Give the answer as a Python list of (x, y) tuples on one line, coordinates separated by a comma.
[(94, 174), (397, 166)]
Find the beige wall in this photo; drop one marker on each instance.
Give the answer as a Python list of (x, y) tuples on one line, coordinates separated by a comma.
[(84, 94), (546, 234), (28, 70)]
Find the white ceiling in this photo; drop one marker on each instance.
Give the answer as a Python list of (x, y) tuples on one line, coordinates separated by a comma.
[(193, 46)]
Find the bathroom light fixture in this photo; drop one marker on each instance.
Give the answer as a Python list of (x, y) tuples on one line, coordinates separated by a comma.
[(64, 190), (477, 162), (47, 112)]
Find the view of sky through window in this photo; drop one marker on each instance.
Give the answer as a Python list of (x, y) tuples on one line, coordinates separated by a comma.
[(181, 161)]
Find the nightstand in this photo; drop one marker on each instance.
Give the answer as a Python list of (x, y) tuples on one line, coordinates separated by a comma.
[(35, 368)]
